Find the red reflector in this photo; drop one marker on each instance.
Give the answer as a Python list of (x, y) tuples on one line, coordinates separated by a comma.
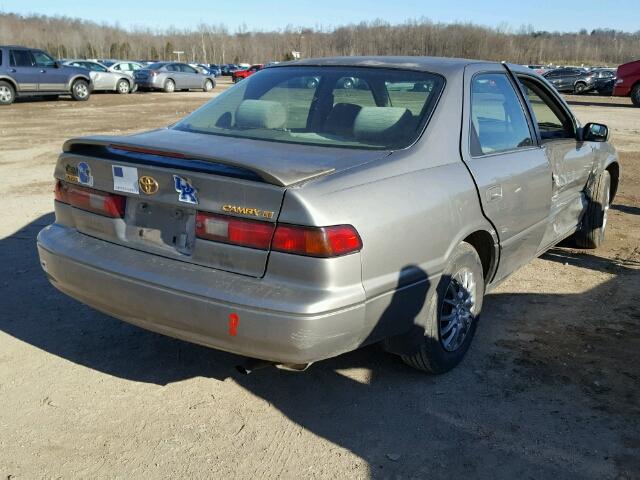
[(317, 241), (236, 231), (95, 201)]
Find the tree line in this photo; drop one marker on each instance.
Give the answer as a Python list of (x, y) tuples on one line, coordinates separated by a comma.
[(67, 37)]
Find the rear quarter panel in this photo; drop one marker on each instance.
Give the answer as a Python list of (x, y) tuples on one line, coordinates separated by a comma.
[(411, 208)]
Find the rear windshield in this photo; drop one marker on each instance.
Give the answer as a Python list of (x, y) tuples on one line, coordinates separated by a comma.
[(333, 106), (156, 66)]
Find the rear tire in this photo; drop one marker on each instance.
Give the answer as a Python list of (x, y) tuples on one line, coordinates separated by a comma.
[(594, 222), (169, 86), (635, 95), (452, 313), (123, 87), (80, 91), (7, 93)]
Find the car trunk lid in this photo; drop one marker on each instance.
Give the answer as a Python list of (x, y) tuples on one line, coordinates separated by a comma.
[(168, 176)]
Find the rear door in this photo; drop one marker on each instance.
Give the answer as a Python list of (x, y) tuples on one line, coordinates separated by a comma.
[(572, 161), (22, 67), (509, 167)]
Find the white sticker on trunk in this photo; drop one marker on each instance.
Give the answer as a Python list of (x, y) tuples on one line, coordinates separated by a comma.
[(125, 179)]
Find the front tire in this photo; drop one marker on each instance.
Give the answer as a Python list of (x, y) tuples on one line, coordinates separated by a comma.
[(452, 313), (580, 88), (169, 86), (208, 86), (635, 95), (7, 93), (594, 222), (123, 87), (80, 91)]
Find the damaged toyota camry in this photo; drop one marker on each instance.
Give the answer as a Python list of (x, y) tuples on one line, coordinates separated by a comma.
[(323, 205)]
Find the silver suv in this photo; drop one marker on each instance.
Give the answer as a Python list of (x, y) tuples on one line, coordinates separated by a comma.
[(28, 72)]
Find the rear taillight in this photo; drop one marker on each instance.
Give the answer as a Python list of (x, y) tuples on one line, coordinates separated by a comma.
[(323, 242), (153, 73), (95, 201), (236, 231), (317, 241)]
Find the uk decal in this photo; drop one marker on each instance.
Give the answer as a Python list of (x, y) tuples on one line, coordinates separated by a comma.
[(187, 192), (84, 174)]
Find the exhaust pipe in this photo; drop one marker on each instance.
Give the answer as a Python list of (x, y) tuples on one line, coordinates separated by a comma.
[(250, 365)]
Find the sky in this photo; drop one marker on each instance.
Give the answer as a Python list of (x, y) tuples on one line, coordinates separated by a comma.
[(557, 15)]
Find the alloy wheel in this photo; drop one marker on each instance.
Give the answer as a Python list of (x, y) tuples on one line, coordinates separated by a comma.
[(458, 309), (6, 95)]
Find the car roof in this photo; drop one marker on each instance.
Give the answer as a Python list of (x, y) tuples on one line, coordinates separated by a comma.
[(443, 65), (18, 46)]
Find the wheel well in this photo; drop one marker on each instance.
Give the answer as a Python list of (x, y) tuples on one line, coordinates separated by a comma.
[(614, 172), (483, 243), (12, 83)]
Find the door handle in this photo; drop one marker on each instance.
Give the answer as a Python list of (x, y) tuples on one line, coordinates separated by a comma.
[(42, 70), (12, 70), (494, 193)]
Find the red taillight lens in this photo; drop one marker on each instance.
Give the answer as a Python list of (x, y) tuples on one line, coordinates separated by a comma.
[(317, 241), (236, 231), (95, 201), (309, 241)]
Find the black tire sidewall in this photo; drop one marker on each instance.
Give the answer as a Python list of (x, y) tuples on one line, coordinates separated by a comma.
[(118, 86), (73, 90), (206, 83), (439, 359), (12, 90), (635, 95), (166, 86)]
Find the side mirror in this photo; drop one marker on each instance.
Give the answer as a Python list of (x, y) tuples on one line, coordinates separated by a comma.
[(595, 132), (57, 64)]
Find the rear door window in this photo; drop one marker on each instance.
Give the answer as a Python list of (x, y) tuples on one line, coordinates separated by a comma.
[(498, 121), (21, 58)]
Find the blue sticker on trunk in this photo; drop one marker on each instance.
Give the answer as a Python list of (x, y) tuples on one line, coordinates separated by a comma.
[(84, 174), (187, 192)]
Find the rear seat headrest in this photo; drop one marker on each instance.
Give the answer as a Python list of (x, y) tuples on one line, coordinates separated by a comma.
[(382, 123), (260, 114)]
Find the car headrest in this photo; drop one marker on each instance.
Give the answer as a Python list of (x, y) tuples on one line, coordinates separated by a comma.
[(260, 114), (382, 123), (342, 118)]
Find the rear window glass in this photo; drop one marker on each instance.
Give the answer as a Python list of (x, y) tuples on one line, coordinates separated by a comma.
[(333, 106), (21, 58)]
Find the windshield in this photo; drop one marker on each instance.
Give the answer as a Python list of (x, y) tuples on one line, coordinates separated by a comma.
[(333, 106)]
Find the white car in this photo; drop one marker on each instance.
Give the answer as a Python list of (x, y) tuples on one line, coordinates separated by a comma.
[(125, 67), (105, 80)]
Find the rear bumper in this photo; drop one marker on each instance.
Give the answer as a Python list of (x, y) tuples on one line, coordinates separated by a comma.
[(194, 303), (148, 83), (620, 90)]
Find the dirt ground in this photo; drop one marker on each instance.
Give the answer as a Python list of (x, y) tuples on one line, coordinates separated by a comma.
[(549, 389)]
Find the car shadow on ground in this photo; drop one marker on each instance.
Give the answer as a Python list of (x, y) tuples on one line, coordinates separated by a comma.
[(402, 422)]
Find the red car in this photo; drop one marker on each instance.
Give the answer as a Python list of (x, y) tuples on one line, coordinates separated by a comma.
[(242, 74), (628, 82)]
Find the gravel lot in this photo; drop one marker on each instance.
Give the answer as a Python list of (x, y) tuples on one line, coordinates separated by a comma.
[(550, 388)]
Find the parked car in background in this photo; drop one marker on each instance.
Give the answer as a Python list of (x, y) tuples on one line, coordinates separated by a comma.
[(293, 226), (242, 74), (627, 83), (127, 67), (228, 69), (172, 76), (103, 79), (29, 72), (215, 69), (604, 80), (571, 80)]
